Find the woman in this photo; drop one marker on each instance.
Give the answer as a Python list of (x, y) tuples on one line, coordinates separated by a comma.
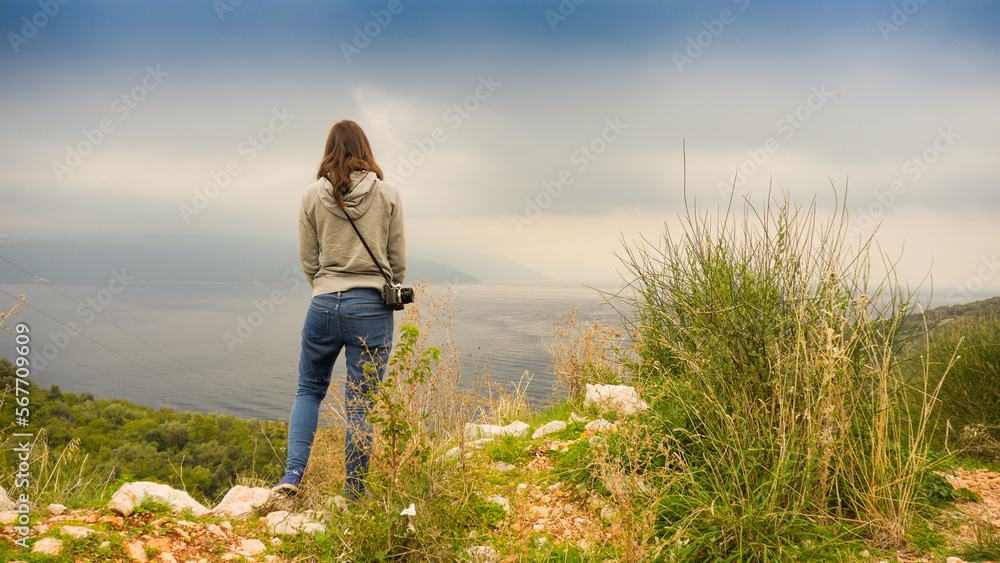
[(346, 309)]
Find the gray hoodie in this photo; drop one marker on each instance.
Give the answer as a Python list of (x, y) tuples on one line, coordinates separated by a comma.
[(332, 255)]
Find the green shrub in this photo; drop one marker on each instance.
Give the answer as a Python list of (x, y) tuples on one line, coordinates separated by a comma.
[(970, 395), (778, 406)]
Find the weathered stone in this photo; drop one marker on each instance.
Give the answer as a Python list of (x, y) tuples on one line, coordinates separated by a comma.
[(5, 503), (288, 523), (621, 397), (47, 546), (516, 428), (469, 447), (241, 501), (160, 544), (502, 501), (130, 495), (136, 551), (554, 426), (539, 512), (8, 517), (504, 466), (599, 425), (251, 548), (573, 417), (167, 558), (56, 509), (78, 532), (482, 554)]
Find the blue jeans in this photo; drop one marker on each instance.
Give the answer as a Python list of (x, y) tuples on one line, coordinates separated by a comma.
[(355, 319)]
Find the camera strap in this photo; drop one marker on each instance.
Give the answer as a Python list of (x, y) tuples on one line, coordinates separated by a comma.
[(370, 253)]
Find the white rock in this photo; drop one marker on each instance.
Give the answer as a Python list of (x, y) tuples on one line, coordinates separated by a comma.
[(251, 547), (217, 530), (516, 428), (130, 495), (288, 523), (241, 501), (502, 501), (573, 417), (47, 546), (56, 509), (225, 525), (8, 517), (599, 425), (5, 503), (469, 446), (409, 510), (42, 529), (622, 397), (954, 559), (482, 554), (78, 532), (504, 466), (167, 558), (554, 426)]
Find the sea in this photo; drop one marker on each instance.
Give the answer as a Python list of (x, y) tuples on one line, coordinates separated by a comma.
[(234, 348)]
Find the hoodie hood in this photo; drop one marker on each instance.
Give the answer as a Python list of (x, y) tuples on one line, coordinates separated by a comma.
[(357, 201)]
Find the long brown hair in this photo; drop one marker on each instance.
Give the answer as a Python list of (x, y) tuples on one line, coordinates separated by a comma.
[(347, 150)]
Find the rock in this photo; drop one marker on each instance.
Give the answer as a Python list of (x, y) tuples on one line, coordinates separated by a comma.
[(954, 560), (6, 504), (502, 501), (42, 529), (539, 512), (225, 525), (241, 501), (288, 523), (129, 495), (216, 530), (599, 425), (47, 546), (607, 513), (554, 426), (338, 502), (573, 417), (160, 544), (621, 397), (482, 554), (78, 532), (56, 509), (504, 466), (136, 551), (8, 517), (469, 446), (272, 559), (167, 558), (251, 548), (516, 428)]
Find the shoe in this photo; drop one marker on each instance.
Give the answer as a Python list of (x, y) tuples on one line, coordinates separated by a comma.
[(289, 484)]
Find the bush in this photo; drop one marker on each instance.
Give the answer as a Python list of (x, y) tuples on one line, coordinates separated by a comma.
[(970, 395), (778, 402)]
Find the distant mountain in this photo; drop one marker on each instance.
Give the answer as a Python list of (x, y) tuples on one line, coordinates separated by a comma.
[(418, 269), (183, 260), (487, 267)]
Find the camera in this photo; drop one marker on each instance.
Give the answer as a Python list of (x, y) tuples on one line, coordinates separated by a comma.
[(395, 295)]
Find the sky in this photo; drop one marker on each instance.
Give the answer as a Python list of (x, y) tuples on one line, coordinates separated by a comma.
[(549, 133)]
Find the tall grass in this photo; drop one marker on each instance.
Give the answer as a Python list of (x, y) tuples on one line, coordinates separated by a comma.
[(779, 425), (970, 396)]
